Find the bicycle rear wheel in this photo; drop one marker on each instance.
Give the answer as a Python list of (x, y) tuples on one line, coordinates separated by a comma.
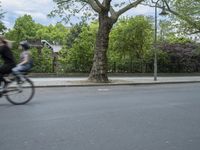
[(20, 93)]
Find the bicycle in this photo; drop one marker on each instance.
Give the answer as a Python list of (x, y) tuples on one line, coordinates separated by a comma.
[(17, 92)]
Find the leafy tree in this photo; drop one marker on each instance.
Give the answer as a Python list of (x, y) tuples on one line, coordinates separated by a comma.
[(24, 28), (1, 12), (166, 30), (54, 34), (131, 41), (108, 12), (78, 57), (187, 13), (51, 33), (2, 27), (42, 63), (74, 33), (183, 56)]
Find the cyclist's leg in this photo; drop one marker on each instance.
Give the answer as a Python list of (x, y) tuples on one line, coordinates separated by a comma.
[(17, 71), (2, 72), (1, 78), (4, 69), (21, 68)]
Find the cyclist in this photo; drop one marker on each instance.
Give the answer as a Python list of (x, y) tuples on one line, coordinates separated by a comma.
[(7, 57), (26, 62)]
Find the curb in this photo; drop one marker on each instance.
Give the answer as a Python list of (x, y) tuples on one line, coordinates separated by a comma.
[(115, 84)]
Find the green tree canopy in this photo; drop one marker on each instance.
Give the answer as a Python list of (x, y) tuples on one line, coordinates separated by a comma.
[(187, 14), (77, 57), (2, 26), (53, 33), (131, 41), (24, 28)]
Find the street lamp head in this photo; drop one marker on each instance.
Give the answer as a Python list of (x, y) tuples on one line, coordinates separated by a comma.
[(163, 12)]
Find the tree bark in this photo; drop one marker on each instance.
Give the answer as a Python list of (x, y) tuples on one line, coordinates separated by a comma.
[(99, 69)]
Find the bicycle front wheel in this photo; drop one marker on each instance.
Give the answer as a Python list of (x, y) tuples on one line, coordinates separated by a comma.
[(20, 93)]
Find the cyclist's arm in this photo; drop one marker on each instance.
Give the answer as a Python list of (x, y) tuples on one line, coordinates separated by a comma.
[(26, 58)]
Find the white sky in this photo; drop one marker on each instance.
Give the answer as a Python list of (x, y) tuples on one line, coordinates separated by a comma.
[(39, 9)]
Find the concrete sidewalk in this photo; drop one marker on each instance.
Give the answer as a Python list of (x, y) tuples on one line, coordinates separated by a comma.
[(82, 81)]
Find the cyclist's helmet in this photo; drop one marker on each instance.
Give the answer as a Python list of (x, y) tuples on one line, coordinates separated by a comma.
[(25, 45)]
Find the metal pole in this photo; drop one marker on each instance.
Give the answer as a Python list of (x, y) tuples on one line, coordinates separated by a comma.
[(155, 44)]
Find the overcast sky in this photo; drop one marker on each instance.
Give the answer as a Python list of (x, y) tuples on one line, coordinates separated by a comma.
[(39, 9)]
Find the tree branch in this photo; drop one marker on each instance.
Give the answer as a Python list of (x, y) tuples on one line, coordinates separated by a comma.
[(187, 19), (195, 32), (113, 13), (61, 2), (128, 7), (106, 4), (95, 4), (81, 8), (99, 4)]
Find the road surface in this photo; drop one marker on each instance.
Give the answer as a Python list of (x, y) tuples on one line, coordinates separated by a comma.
[(151, 117)]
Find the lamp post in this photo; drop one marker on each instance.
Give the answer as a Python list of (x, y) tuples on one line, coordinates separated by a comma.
[(163, 13)]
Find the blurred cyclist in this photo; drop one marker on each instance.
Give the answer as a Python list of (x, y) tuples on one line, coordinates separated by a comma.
[(7, 57), (26, 62)]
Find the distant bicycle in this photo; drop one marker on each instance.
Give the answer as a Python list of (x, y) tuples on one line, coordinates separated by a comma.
[(17, 92)]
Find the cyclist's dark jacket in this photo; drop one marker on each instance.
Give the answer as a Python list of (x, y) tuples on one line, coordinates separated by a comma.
[(6, 55)]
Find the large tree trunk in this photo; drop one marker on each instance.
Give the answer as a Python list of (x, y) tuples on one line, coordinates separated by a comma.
[(98, 72)]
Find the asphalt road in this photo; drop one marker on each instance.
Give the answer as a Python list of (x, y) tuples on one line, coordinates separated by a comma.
[(153, 117)]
